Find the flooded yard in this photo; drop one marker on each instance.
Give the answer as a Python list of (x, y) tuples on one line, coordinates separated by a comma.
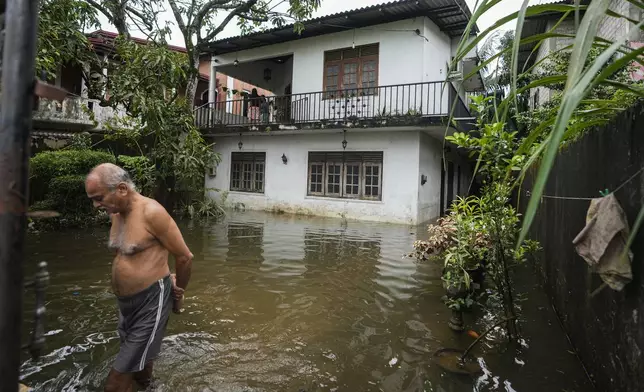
[(285, 303)]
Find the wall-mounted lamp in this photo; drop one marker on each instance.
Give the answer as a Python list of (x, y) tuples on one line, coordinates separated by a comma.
[(268, 74), (212, 171), (284, 159), (423, 179), (344, 141), (240, 144)]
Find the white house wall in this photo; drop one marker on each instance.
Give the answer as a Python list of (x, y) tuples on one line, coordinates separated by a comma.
[(285, 186), (253, 73), (430, 155), (436, 50), (405, 58), (540, 95)]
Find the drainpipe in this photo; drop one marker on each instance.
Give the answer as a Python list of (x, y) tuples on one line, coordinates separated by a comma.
[(21, 17)]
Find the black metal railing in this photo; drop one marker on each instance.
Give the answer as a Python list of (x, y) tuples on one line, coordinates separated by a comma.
[(428, 99)]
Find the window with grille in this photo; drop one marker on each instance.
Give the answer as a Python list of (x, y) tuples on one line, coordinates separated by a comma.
[(353, 175), (247, 171), (351, 71)]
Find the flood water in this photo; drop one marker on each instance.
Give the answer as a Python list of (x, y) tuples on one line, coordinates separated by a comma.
[(287, 303)]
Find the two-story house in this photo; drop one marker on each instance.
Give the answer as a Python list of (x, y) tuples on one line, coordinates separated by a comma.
[(356, 128), (55, 122)]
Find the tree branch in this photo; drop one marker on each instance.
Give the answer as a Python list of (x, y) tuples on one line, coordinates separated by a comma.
[(276, 5), (179, 18), (237, 11), (102, 9), (206, 8), (118, 20), (148, 35), (190, 13), (143, 18), (254, 18)]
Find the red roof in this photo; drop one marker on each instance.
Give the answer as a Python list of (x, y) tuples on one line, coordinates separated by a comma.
[(104, 40), (106, 37)]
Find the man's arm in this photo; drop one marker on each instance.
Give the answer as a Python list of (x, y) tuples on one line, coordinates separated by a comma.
[(164, 228)]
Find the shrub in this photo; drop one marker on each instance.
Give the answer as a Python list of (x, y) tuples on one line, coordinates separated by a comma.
[(142, 171), (47, 165), (67, 195), (58, 182)]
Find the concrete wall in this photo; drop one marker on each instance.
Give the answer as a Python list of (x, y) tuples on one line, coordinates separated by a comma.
[(286, 185), (606, 330), (612, 28), (424, 59)]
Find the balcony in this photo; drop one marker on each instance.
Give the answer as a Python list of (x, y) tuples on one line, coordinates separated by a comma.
[(427, 103), (70, 113), (73, 113)]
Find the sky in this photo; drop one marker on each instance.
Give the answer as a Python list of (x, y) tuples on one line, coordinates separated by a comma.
[(327, 7)]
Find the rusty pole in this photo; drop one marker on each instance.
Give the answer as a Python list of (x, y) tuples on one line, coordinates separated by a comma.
[(21, 18)]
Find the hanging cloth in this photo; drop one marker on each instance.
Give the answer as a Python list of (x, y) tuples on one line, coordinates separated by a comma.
[(603, 241)]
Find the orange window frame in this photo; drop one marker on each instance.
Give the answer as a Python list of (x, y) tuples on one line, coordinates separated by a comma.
[(341, 63)]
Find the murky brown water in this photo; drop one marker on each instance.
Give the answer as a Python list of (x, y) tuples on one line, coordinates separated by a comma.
[(283, 303)]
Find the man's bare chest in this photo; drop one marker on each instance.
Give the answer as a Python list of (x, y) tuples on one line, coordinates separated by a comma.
[(128, 237)]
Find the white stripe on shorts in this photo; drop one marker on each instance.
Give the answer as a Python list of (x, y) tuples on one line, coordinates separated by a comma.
[(156, 325)]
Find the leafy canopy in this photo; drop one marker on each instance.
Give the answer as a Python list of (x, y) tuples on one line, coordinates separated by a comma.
[(60, 34)]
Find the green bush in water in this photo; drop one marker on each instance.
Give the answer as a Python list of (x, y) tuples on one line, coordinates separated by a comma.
[(66, 194), (48, 165), (58, 183)]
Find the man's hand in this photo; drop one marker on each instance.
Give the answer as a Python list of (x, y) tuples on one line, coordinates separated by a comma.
[(177, 295)]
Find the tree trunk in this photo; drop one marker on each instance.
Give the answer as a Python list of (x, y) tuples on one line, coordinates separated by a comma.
[(191, 88)]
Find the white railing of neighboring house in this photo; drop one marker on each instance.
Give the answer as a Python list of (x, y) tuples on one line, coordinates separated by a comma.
[(103, 114), (75, 112), (71, 111)]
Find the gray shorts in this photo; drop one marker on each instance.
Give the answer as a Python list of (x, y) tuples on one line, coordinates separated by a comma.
[(142, 321)]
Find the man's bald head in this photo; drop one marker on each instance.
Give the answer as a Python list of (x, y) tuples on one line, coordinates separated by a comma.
[(110, 188), (111, 175)]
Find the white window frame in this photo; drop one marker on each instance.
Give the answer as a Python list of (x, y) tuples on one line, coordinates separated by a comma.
[(361, 164), (310, 173), (254, 159)]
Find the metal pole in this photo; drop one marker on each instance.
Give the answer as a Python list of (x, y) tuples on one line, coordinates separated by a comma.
[(21, 18)]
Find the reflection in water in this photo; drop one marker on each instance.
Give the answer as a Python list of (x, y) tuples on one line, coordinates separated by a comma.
[(283, 303)]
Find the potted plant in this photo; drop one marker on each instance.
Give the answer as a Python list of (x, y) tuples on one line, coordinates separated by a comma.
[(460, 241)]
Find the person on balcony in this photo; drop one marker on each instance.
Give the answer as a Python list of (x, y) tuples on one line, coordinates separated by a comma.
[(264, 108), (254, 104)]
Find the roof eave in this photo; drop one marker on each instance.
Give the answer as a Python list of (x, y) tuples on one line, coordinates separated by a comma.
[(452, 19)]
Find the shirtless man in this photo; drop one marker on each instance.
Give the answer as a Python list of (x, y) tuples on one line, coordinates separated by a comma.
[(142, 236)]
